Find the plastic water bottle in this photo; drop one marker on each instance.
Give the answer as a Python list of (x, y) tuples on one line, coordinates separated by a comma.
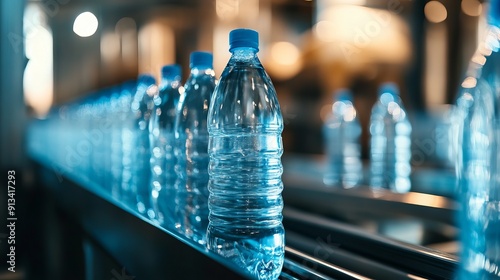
[(142, 107), (115, 153), (390, 149), (128, 121), (245, 148), (341, 133), (192, 149), (478, 163), (161, 133)]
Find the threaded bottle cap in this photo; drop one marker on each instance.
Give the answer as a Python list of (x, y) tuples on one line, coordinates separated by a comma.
[(201, 59), (171, 70), (390, 88), (243, 38)]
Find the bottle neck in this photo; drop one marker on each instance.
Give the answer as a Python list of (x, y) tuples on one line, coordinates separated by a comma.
[(243, 53)]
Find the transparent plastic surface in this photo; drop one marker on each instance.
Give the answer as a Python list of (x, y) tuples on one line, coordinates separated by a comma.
[(191, 152), (343, 150), (141, 109), (390, 144), (478, 163), (245, 148), (161, 134)]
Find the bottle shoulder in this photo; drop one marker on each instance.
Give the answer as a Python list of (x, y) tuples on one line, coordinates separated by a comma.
[(245, 98), (197, 98)]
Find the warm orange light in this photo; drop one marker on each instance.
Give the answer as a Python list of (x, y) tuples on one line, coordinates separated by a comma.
[(471, 8), (285, 60), (38, 74), (435, 12), (360, 34), (469, 82), (110, 47), (156, 48)]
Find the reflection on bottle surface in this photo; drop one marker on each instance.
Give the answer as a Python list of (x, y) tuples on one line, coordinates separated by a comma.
[(161, 133), (191, 150), (390, 146), (245, 148), (141, 109), (478, 162), (120, 106)]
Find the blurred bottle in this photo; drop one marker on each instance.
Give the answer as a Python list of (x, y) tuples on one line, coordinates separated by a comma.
[(142, 108), (115, 123), (97, 137), (343, 150), (478, 162), (245, 148), (123, 126), (390, 143), (192, 148), (161, 134), (128, 121)]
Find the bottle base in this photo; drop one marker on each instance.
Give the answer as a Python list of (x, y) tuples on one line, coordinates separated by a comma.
[(261, 254)]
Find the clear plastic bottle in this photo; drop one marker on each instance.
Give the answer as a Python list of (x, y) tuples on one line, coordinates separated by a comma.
[(115, 154), (128, 122), (478, 163), (390, 143), (343, 150), (141, 108), (161, 134), (245, 148), (191, 149)]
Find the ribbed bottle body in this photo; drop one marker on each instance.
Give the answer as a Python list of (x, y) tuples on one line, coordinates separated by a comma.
[(245, 148), (191, 153)]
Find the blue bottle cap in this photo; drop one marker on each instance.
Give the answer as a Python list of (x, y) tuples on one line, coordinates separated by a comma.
[(201, 59), (243, 38), (343, 95), (171, 70), (494, 13), (390, 88), (146, 79)]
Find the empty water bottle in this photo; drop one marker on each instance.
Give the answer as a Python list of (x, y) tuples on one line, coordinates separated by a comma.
[(478, 161), (161, 135), (191, 149), (390, 144), (142, 107), (245, 148), (341, 133)]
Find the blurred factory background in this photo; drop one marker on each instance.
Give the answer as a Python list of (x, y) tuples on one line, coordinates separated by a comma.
[(54, 51)]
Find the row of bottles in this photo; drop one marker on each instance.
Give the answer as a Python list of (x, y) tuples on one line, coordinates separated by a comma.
[(201, 158), (204, 158), (214, 156), (390, 143)]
